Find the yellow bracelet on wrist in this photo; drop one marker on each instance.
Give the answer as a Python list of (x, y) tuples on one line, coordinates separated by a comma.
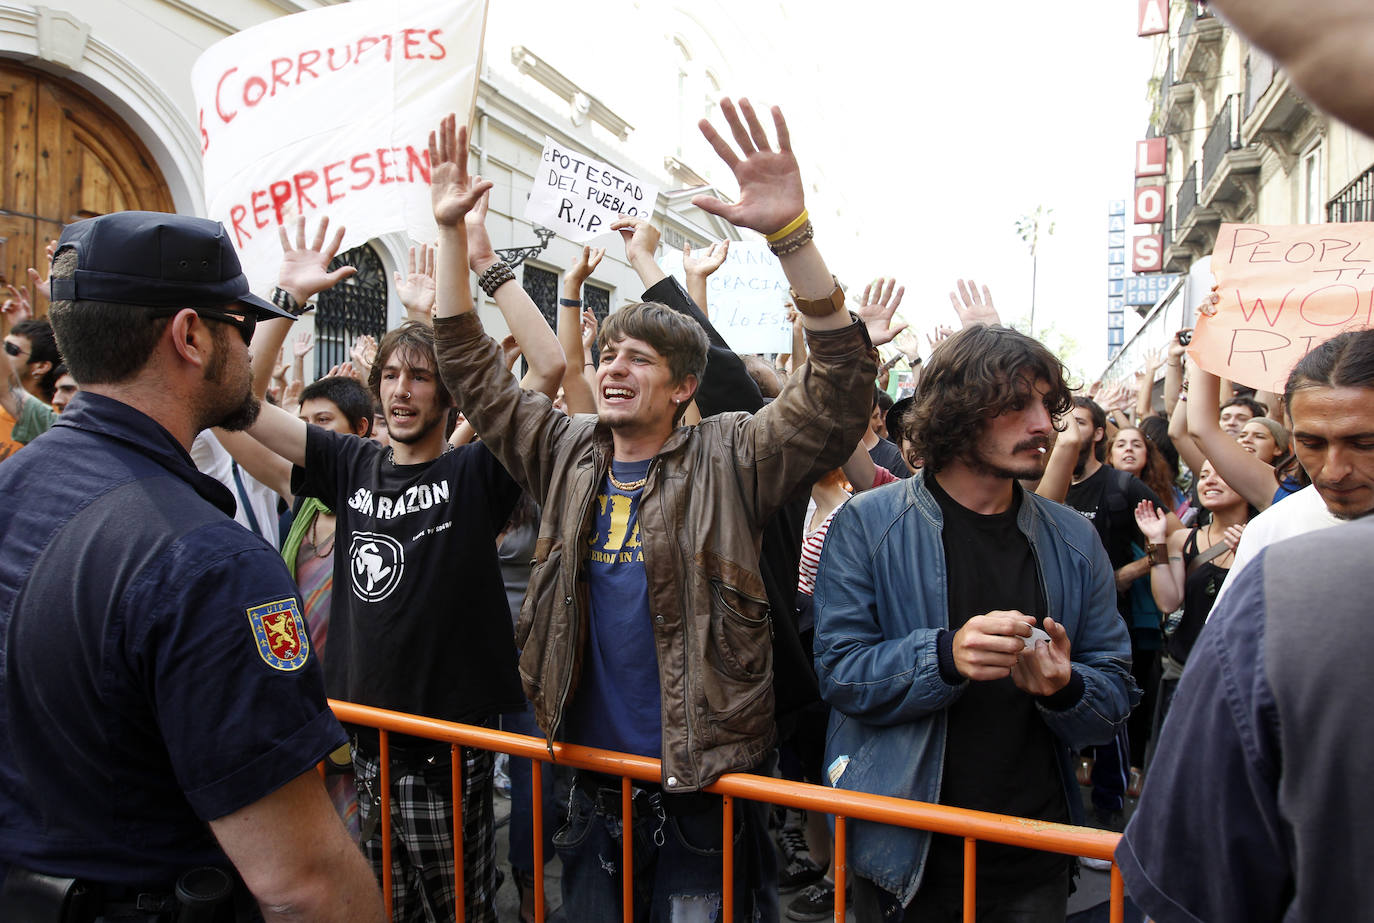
[(788, 228)]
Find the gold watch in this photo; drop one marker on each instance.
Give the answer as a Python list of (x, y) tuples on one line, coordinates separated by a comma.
[(820, 307)]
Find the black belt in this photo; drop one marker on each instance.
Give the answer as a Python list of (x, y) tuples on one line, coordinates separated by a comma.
[(201, 894)]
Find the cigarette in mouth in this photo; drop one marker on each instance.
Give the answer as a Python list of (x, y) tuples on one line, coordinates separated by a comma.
[(1040, 449)]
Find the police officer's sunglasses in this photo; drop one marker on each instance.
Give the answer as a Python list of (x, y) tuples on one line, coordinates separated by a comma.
[(244, 322)]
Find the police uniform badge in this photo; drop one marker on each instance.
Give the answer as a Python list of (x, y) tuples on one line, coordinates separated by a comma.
[(280, 634)]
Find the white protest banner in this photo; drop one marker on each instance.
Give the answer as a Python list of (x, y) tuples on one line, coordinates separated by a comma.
[(579, 197), (328, 112), (747, 297), (1284, 290)]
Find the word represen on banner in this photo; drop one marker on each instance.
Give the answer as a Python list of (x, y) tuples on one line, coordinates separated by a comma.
[(328, 112), (1284, 290), (579, 197)]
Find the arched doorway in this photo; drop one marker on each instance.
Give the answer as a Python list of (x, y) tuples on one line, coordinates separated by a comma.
[(67, 157)]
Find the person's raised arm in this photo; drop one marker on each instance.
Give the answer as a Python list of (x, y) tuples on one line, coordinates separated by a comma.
[(1166, 564), (578, 396), (772, 202), (973, 307), (262, 463), (304, 273), (1183, 441), (416, 287), (297, 859), (877, 305), (1245, 473), (1173, 369), (538, 343), (1144, 397), (697, 269), (1054, 483)]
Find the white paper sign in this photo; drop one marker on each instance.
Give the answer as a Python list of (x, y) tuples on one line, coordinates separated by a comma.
[(328, 112), (579, 197), (746, 297)]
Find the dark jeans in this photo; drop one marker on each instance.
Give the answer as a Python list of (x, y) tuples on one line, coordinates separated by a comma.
[(521, 853), (677, 856), (1046, 903)]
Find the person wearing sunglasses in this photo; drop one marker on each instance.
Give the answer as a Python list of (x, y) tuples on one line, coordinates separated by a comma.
[(127, 593), (29, 370)]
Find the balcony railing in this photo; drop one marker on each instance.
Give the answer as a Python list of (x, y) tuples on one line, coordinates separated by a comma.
[(1223, 138), (1186, 200), (1355, 202)]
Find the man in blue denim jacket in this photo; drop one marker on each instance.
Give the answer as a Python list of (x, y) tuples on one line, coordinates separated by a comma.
[(968, 639)]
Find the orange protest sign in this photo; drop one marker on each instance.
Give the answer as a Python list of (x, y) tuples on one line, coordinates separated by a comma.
[(1285, 290)]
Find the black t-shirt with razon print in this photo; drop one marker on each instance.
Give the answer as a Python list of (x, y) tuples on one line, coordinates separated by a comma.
[(419, 621)]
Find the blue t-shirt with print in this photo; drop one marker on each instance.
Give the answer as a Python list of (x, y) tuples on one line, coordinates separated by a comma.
[(617, 703)]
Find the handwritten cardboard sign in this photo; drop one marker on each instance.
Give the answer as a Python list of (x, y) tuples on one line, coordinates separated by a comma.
[(1285, 290), (579, 197), (328, 112), (746, 297)]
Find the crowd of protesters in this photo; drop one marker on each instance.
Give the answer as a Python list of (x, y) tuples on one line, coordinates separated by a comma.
[(981, 595)]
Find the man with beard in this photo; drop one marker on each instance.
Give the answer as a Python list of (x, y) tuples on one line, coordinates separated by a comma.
[(944, 613), (127, 592), (419, 621)]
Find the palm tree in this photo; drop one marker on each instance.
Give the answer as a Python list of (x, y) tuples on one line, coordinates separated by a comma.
[(1029, 228)]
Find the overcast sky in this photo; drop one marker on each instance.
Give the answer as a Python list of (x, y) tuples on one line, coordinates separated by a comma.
[(938, 123)]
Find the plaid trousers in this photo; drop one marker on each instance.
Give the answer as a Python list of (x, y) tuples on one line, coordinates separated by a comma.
[(422, 866)]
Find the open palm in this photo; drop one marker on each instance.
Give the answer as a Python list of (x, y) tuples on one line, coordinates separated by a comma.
[(452, 192), (770, 184)]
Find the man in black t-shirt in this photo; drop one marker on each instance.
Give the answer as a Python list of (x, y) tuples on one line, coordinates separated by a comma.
[(967, 690), (419, 621), (1109, 497)]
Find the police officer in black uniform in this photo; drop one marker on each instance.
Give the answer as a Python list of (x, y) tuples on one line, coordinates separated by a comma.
[(161, 712)]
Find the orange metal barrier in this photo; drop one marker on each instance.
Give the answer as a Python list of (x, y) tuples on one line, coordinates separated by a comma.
[(972, 826)]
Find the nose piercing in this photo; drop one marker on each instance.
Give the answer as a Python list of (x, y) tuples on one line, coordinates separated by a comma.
[(405, 394)]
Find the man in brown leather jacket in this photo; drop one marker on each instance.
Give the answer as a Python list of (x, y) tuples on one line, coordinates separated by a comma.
[(645, 628)]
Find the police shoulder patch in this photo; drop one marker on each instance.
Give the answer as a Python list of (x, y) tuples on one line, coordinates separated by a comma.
[(280, 634)]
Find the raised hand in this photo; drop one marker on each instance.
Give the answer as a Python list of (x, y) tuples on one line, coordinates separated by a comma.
[(939, 335), (343, 370), (510, 350), (880, 300), (416, 287), (43, 284), (481, 254), (1152, 522), (452, 193), (589, 325), (291, 397), (304, 269), (15, 308), (770, 185), (363, 352), (587, 261), (1177, 347), (641, 238), (706, 263), (973, 308), (305, 341)]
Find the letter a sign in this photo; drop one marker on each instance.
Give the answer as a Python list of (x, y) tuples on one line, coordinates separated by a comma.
[(1154, 17)]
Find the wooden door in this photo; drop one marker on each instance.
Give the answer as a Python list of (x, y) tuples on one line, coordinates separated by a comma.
[(67, 157)]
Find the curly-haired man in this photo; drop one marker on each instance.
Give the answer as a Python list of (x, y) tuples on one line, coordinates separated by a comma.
[(967, 638)]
